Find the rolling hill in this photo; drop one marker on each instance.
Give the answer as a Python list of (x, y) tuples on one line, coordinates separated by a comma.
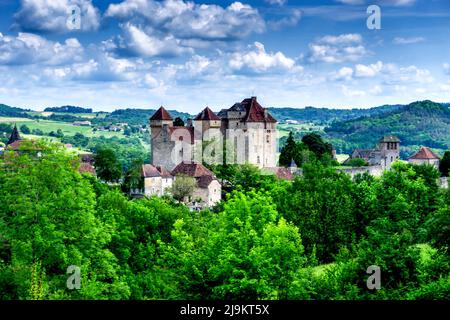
[(419, 123)]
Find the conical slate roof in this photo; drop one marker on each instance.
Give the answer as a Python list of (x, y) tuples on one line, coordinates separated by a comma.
[(207, 115), (15, 136), (161, 114)]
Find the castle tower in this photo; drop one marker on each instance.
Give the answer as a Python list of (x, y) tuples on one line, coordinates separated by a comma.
[(389, 147), (208, 138), (161, 145)]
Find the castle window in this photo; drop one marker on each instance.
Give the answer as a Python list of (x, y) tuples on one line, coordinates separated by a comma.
[(268, 138), (259, 160), (180, 138)]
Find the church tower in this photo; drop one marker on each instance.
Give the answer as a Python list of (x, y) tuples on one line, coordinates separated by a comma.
[(389, 147), (15, 136)]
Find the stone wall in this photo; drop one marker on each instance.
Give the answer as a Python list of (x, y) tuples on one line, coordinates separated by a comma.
[(375, 171), (443, 182)]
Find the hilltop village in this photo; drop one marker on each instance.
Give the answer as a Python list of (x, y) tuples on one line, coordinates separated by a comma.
[(245, 133)]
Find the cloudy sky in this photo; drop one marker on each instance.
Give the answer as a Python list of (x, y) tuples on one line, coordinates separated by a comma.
[(189, 54)]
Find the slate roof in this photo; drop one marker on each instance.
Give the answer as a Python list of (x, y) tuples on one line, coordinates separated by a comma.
[(254, 111), (161, 114), (424, 154), (389, 139), (15, 136), (207, 115)]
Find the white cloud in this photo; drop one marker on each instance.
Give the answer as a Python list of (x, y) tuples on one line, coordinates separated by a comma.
[(336, 49), (370, 70), (276, 2), (258, 60), (291, 19), (352, 93), (446, 68), (29, 48), (344, 73), (52, 15), (141, 43), (189, 20), (400, 40)]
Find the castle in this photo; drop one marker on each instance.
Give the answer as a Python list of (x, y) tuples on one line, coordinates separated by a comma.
[(244, 133)]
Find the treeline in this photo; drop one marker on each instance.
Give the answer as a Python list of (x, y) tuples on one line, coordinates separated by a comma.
[(325, 116), (68, 109), (312, 238)]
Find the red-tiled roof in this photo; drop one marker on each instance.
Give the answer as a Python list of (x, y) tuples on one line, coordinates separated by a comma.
[(281, 173), (86, 168), (424, 153), (14, 145), (161, 114), (192, 169), (255, 112), (164, 172), (149, 171), (207, 115)]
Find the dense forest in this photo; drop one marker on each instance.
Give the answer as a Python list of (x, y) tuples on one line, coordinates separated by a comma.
[(423, 123), (312, 238), (324, 116)]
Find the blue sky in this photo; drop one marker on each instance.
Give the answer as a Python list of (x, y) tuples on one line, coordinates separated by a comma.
[(189, 54)]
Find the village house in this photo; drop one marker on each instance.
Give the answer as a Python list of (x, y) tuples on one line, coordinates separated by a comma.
[(425, 156), (157, 180), (208, 191), (82, 123)]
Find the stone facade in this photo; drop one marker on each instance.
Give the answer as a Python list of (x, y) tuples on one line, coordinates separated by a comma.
[(246, 130)]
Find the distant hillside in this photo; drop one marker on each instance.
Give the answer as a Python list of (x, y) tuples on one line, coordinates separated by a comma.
[(68, 109), (419, 123), (8, 111), (139, 116), (326, 115)]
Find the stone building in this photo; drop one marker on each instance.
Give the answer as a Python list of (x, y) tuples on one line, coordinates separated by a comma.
[(425, 156), (208, 191), (387, 152), (157, 180), (246, 130)]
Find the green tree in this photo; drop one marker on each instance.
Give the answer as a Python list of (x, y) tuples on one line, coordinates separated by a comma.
[(25, 129), (47, 223), (183, 188), (444, 166), (107, 166), (133, 177), (315, 143), (178, 122)]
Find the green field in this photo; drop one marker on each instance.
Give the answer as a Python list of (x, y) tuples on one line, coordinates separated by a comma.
[(67, 128), (284, 128)]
